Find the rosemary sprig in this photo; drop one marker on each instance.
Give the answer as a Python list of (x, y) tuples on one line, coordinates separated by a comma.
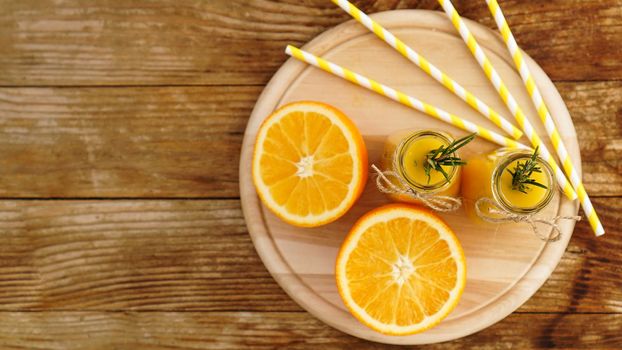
[(521, 176), (444, 156)]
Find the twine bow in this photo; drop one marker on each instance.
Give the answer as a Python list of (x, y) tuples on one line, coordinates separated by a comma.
[(501, 215), (438, 203)]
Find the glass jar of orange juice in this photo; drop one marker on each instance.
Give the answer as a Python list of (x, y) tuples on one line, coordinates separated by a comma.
[(405, 155), (497, 176)]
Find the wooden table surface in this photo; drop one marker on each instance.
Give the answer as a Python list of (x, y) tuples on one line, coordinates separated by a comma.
[(120, 130)]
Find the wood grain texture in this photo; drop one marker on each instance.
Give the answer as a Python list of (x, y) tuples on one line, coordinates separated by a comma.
[(185, 141), (122, 142), (279, 330), (491, 292), (142, 42), (115, 255), (596, 109), (589, 276), (172, 255), (183, 274), (571, 40)]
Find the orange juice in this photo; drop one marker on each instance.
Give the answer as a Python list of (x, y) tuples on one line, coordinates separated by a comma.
[(486, 175), (405, 153), (477, 181), (534, 196)]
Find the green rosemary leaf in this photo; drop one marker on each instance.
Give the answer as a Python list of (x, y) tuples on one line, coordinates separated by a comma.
[(463, 141), (536, 183), (444, 156), (521, 176), (443, 172), (430, 163)]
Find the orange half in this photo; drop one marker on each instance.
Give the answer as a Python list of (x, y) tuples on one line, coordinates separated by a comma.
[(401, 270), (309, 163)]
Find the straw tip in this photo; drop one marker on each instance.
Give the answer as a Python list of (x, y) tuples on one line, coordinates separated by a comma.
[(599, 232), (288, 49)]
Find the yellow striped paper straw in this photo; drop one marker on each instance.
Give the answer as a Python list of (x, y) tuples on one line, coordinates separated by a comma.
[(401, 97), (545, 116), (506, 96), (429, 68)]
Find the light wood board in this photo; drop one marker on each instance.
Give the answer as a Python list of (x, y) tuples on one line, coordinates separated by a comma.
[(506, 263)]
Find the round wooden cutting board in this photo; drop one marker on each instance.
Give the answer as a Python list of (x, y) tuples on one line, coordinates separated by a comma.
[(506, 263)]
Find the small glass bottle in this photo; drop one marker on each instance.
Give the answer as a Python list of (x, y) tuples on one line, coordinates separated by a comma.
[(405, 154), (487, 176)]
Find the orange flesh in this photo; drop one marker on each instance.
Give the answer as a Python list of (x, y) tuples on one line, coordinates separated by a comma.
[(373, 266)]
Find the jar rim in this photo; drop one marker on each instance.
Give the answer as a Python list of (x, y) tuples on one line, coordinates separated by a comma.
[(398, 161), (496, 182)]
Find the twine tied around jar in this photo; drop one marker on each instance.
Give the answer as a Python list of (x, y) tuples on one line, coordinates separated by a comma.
[(438, 203), (500, 215)]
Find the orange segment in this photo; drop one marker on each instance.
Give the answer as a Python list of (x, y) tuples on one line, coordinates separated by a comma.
[(401, 270), (309, 164)]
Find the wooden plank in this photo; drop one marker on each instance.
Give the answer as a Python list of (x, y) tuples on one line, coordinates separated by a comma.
[(109, 255), (219, 42), (571, 40), (279, 330), (165, 255), (597, 116), (185, 141), (122, 142)]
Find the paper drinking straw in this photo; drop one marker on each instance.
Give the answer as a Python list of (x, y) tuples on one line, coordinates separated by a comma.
[(506, 96), (401, 97), (429, 68), (545, 116)]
